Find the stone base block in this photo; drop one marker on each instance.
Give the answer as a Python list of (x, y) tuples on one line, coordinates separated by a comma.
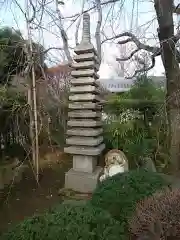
[(81, 181), (83, 163)]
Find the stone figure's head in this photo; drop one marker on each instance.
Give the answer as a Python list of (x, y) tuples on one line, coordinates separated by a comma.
[(115, 157)]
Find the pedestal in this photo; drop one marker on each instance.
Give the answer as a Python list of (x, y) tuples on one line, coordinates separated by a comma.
[(82, 181), (83, 163)]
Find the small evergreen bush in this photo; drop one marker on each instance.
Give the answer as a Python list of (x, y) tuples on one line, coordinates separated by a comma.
[(119, 194), (67, 222)]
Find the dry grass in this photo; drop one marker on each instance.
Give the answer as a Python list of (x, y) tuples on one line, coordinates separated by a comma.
[(53, 158)]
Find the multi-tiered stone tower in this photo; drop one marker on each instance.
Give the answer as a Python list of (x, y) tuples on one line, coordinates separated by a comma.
[(85, 141)]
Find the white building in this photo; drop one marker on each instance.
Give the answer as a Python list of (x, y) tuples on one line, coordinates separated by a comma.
[(121, 84)]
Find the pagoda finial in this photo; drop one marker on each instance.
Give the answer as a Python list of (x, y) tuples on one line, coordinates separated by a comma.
[(86, 36)]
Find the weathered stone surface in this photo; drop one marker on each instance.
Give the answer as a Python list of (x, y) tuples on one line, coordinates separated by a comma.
[(84, 134), (84, 114), (85, 48), (84, 141), (86, 57), (84, 81), (69, 194), (82, 182), (84, 123), (84, 97), (86, 36), (90, 151), (84, 89), (84, 105), (115, 162), (85, 65), (84, 163), (85, 73), (87, 132)]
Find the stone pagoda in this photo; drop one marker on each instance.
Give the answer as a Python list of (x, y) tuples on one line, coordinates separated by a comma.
[(84, 135)]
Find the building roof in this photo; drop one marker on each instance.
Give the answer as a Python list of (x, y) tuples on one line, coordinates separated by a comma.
[(121, 84)]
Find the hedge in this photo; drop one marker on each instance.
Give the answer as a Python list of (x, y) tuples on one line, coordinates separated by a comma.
[(67, 223), (119, 194)]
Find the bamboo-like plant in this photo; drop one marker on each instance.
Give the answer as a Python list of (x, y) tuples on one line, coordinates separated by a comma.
[(135, 122)]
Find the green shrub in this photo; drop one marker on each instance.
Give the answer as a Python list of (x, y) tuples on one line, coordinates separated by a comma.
[(119, 194), (136, 123), (67, 222)]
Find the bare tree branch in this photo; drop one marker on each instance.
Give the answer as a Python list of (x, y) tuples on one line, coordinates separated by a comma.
[(98, 28), (133, 38), (34, 12), (127, 58), (41, 9), (145, 68), (53, 48), (176, 9), (63, 34), (156, 51), (90, 9)]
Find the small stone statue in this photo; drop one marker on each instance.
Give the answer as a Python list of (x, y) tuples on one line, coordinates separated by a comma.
[(148, 164), (115, 162)]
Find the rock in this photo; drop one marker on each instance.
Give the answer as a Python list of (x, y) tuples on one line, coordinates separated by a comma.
[(69, 194), (148, 164)]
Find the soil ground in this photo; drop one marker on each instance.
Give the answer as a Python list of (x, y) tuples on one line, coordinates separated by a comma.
[(27, 198)]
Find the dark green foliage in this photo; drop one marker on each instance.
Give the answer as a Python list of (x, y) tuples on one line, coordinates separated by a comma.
[(12, 56), (131, 137), (118, 195), (14, 124), (136, 123), (145, 95), (67, 223), (14, 110)]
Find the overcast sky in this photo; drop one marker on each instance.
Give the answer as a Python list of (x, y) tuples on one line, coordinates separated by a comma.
[(138, 18)]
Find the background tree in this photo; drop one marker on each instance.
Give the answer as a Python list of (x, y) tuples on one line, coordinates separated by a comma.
[(12, 56), (169, 53), (14, 113)]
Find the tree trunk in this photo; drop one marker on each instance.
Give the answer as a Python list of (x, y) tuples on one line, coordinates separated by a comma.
[(31, 125), (164, 13)]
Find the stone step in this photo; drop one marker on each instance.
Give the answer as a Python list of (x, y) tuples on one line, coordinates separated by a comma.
[(84, 114), (84, 105), (85, 65), (84, 89), (84, 81), (85, 73), (89, 132), (85, 48), (84, 97), (84, 123), (86, 57), (89, 151), (84, 141)]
